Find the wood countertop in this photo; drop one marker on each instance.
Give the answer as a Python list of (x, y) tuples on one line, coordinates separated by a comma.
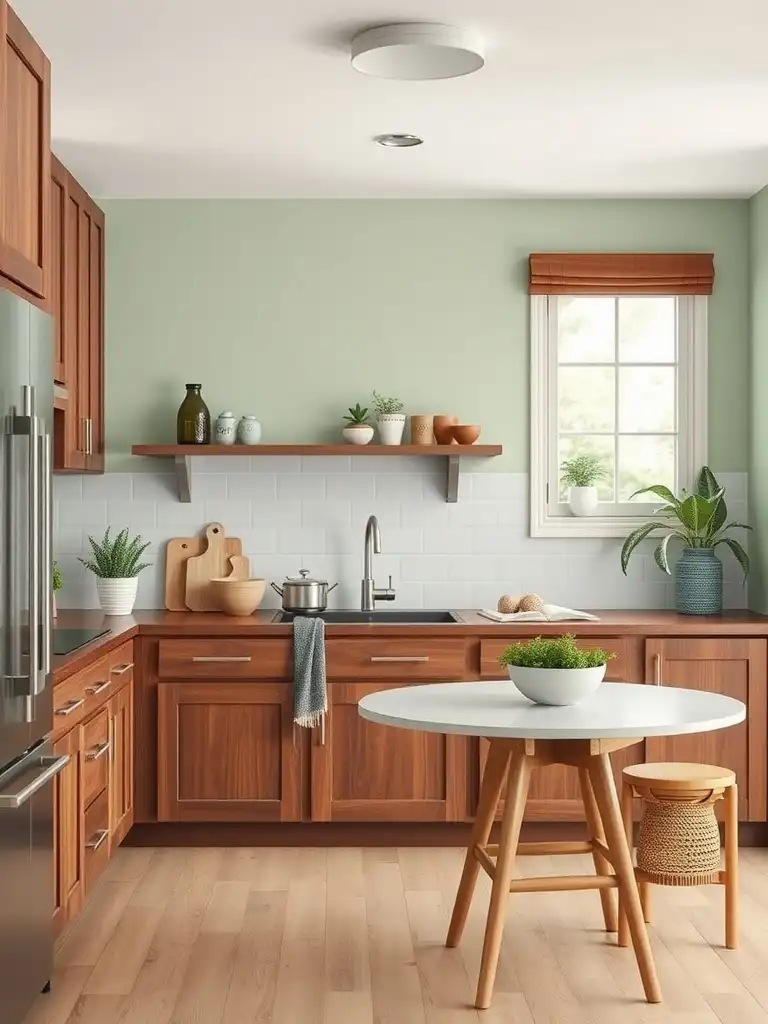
[(158, 622)]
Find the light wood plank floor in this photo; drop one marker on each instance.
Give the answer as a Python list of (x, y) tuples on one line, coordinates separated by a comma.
[(350, 936)]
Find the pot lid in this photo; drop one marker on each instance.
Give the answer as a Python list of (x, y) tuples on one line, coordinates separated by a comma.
[(304, 577)]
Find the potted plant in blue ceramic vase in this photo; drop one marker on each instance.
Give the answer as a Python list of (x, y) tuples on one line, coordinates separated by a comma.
[(700, 521)]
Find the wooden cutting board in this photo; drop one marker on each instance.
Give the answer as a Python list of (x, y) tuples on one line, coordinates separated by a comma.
[(178, 552)]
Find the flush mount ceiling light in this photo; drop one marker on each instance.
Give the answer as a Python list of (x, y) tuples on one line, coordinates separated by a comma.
[(417, 51), (398, 141)]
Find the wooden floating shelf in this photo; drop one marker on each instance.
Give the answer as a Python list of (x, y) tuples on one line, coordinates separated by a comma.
[(182, 455)]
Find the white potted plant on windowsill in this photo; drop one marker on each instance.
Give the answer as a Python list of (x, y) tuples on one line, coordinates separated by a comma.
[(116, 566), (582, 474), (389, 418)]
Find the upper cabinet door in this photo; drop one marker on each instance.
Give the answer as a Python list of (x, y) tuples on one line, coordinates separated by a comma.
[(59, 194), (25, 152)]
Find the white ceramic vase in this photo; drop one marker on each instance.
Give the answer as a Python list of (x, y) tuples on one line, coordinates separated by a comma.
[(226, 428), (358, 434), (558, 687), (249, 430), (117, 596), (391, 428), (582, 501)]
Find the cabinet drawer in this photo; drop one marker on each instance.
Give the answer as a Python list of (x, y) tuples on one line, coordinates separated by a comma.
[(96, 838), (95, 747), (107, 676), (68, 704), (617, 670), (225, 659), (419, 658)]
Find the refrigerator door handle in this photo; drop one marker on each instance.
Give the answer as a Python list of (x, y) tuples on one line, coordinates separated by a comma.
[(12, 632), (46, 561), (12, 799), (31, 426)]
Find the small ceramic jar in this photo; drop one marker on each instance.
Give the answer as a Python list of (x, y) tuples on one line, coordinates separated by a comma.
[(226, 428), (249, 430)]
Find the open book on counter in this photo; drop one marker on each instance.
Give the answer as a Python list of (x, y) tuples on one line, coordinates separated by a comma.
[(547, 613)]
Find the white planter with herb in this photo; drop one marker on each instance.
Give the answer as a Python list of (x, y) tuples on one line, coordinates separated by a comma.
[(554, 670), (358, 430), (116, 566), (390, 419), (581, 474)]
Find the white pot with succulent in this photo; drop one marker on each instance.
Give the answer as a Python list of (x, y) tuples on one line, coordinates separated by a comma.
[(358, 430), (390, 419), (581, 474), (116, 566), (57, 584)]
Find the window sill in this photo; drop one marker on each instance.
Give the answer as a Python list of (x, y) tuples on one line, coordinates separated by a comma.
[(586, 526)]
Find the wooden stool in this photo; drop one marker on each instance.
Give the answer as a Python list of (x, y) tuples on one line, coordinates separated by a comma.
[(679, 839)]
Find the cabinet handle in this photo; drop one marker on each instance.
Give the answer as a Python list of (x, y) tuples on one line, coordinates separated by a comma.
[(73, 705), (412, 659), (97, 688), (98, 751), (222, 658), (120, 670), (97, 839), (111, 739), (83, 445), (322, 731), (657, 670), (89, 436)]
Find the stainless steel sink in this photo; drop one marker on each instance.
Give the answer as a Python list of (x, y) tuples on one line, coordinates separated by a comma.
[(384, 618)]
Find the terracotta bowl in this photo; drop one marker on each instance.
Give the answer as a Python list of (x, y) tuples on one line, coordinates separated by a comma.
[(443, 428), (238, 597), (465, 433)]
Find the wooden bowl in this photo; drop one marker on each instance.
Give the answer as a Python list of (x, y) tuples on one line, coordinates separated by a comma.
[(238, 597), (443, 428), (465, 433)]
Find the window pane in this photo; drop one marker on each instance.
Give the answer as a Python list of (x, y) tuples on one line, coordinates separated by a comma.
[(585, 398), (603, 447), (586, 329), (644, 461), (647, 329), (647, 398)]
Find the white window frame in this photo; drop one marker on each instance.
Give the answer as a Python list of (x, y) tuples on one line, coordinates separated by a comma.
[(551, 518)]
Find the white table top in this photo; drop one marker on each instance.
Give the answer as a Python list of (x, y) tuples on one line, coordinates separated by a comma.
[(497, 708)]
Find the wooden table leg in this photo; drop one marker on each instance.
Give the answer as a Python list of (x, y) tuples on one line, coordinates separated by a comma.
[(732, 867), (608, 804), (595, 831), (517, 793), (493, 779), (627, 814)]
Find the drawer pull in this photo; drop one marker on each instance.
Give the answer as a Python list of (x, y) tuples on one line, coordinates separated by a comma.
[(97, 839), (412, 659), (120, 670), (68, 708), (98, 751), (657, 670), (97, 688), (222, 658)]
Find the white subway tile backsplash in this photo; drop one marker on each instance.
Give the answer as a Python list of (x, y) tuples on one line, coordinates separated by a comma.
[(291, 513)]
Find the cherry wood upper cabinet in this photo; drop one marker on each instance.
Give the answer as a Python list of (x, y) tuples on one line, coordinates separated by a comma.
[(735, 667), (25, 152)]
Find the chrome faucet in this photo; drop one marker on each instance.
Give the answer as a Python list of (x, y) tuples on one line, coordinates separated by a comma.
[(370, 595)]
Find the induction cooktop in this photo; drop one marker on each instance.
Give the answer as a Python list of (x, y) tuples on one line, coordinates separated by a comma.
[(67, 640)]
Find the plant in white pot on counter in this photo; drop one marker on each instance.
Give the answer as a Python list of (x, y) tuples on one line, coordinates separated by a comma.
[(57, 582), (358, 430), (116, 565), (389, 418), (553, 670), (582, 473)]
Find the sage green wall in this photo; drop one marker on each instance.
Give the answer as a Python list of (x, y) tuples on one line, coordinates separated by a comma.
[(758, 465), (292, 310)]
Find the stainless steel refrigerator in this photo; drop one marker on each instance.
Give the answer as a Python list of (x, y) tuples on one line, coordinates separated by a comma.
[(27, 765)]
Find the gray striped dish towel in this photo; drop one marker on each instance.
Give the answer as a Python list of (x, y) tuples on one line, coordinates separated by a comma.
[(310, 693)]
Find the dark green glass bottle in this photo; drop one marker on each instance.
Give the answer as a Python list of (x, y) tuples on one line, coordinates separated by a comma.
[(193, 423)]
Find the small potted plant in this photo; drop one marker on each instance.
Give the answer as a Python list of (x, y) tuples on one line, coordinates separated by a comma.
[(700, 521), (581, 474), (389, 418), (358, 430), (116, 566), (57, 584), (554, 670)]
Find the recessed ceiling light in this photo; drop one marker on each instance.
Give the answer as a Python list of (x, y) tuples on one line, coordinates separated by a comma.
[(398, 141), (416, 51)]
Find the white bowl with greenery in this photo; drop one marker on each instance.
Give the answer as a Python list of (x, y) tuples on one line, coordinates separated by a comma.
[(116, 566), (582, 474), (357, 430), (554, 670)]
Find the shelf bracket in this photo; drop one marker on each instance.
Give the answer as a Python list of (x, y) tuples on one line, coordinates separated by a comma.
[(183, 465), (452, 479)]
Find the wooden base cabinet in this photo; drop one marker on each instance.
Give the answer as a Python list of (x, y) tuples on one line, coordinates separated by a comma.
[(68, 834), (227, 752), (120, 709)]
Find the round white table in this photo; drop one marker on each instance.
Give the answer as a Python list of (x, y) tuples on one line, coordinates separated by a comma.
[(525, 736)]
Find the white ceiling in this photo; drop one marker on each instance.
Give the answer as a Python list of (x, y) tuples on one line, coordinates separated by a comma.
[(198, 98)]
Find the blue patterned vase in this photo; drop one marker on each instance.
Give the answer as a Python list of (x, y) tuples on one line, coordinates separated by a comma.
[(699, 582)]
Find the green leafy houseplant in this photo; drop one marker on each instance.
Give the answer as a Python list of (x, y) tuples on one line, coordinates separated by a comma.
[(358, 417), (582, 471), (699, 520), (117, 559), (387, 406), (558, 652), (58, 579)]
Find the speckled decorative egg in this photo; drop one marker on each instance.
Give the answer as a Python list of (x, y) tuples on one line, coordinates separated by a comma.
[(530, 603), (508, 604)]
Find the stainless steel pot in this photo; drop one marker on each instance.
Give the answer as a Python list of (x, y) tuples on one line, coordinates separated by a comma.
[(303, 594)]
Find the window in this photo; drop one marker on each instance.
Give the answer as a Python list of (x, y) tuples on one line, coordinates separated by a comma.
[(623, 377)]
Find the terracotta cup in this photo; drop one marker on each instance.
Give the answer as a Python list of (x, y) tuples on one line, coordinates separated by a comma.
[(443, 427), (421, 430), (465, 433)]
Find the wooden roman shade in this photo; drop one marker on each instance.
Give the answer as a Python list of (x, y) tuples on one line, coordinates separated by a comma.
[(621, 273)]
